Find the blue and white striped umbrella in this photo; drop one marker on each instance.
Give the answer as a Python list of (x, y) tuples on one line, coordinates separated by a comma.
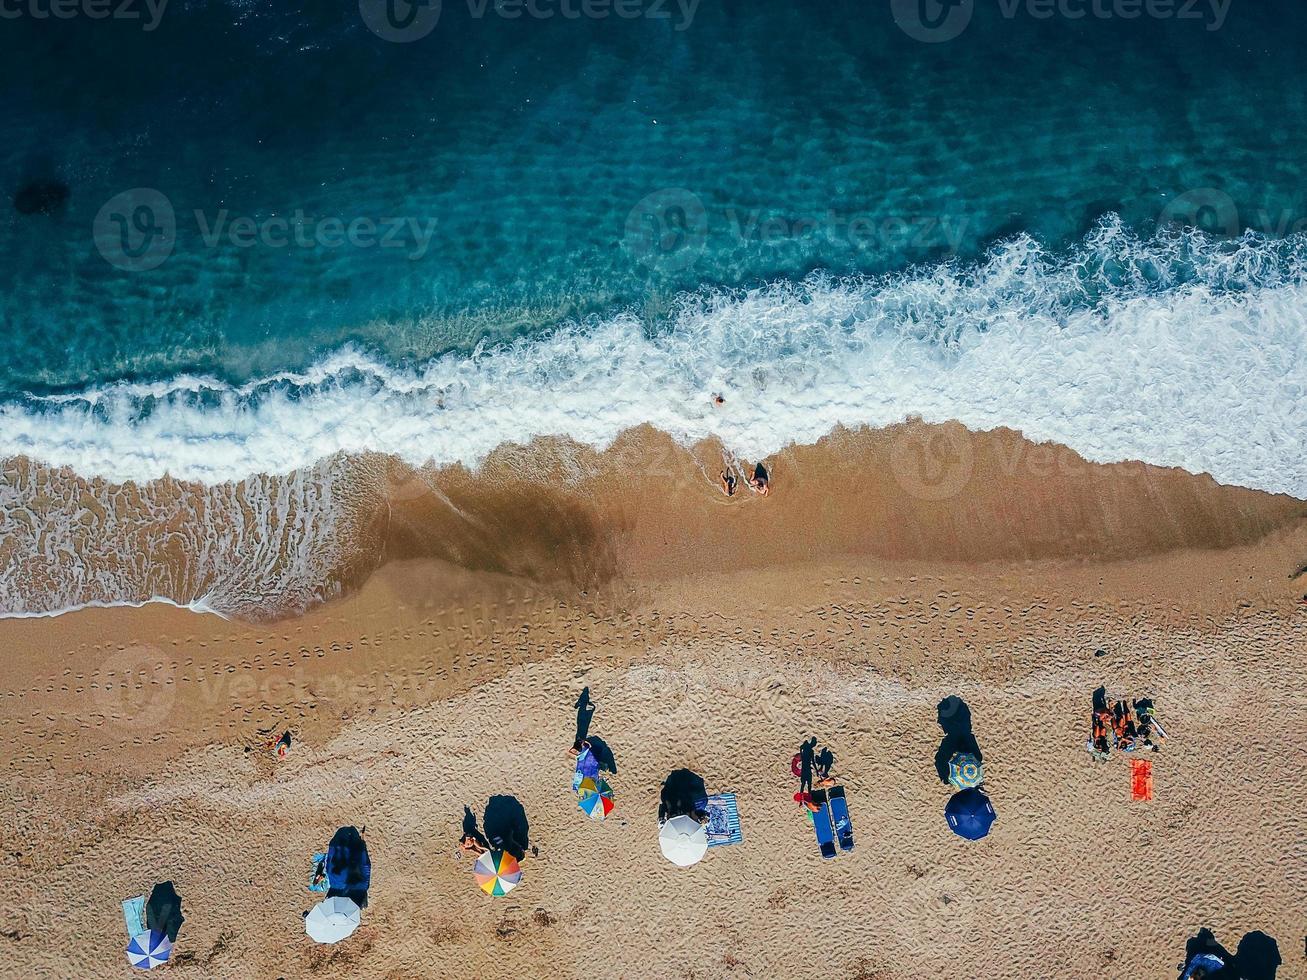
[(149, 949)]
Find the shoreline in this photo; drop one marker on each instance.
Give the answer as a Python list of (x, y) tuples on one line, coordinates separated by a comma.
[(558, 513)]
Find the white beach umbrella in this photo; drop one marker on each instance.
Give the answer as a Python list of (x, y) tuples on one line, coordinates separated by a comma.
[(332, 920), (684, 841)]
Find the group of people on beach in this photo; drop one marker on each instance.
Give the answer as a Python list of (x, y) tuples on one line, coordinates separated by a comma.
[(1122, 724), (812, 768), (759, 483)]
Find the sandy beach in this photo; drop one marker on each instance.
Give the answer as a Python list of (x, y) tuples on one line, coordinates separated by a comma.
[(714, 634)]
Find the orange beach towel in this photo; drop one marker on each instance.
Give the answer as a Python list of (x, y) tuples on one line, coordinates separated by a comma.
[(1141, 779)]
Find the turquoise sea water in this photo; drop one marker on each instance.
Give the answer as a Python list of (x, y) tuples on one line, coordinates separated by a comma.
[(515, 150), (253, 238)]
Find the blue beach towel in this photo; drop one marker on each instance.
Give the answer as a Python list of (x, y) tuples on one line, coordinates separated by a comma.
[(134, 916), (587, 767), (318, 873), (723, 820), (821, 822), (839, 811)]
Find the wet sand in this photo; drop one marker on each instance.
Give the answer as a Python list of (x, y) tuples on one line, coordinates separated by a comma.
[(715, 634)]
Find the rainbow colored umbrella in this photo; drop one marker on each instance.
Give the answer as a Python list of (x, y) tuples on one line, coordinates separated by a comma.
[(595, 798), (964, 770), (497, 872)]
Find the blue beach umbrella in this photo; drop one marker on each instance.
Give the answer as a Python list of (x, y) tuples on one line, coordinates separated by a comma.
[(149, 949), (970, 814)]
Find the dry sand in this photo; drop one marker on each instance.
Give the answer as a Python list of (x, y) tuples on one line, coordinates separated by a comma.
[(714, 634)]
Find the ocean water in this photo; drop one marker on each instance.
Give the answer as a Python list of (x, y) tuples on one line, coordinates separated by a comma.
[(286, 235)]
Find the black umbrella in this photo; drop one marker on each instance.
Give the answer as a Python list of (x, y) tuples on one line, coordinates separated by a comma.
[(164, 910)]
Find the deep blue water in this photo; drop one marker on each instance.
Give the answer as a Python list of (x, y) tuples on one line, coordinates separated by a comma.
[(776, 138)]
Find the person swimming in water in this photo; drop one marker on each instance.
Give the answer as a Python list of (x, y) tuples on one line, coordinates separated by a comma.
[(760, 480)]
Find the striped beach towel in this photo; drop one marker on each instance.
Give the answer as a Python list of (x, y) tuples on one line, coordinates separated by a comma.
[(723, 820)]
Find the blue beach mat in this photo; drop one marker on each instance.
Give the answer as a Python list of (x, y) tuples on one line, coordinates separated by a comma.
[(134, 916), (318, 873), (821, 823), (839, 811), (723, 820)]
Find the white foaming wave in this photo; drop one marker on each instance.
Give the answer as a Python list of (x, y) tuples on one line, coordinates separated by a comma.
[(262, 545), (1177, 351)]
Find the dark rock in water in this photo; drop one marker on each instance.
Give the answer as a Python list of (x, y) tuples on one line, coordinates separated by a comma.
[(41, 197)]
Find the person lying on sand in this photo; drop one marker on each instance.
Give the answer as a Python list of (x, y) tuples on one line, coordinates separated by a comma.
[(1150, 733), (760, 481), (1123, 726), (825, 761), (728, 483), (1100, 727), (472, 842)]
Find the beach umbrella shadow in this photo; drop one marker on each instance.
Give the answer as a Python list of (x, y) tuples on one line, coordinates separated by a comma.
[(506, 826), (954, 718)]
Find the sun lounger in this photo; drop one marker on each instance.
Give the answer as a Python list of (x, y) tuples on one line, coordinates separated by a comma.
[(839, 811), (821, 820), (723, 820)]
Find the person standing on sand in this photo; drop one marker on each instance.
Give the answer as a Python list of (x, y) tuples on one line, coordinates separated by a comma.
[(806, 757), (825, 762), (585, 710)]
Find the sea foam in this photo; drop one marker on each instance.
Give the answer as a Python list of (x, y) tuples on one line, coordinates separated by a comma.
[(1177, 351)]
